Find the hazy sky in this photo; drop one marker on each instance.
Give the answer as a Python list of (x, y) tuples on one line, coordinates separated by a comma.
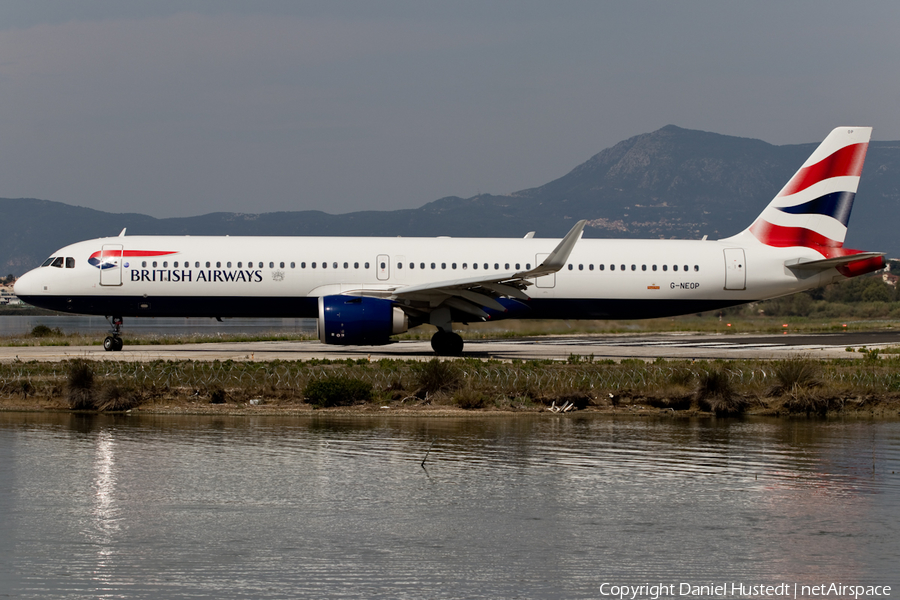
[(184, 108)]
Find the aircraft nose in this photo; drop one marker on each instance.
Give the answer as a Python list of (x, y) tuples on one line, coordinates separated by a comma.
[(27, 285)]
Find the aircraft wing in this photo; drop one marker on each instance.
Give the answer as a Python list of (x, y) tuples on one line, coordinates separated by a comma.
[(472, 294)]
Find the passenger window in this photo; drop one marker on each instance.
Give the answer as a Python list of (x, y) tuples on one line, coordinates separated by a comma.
[(453, 266), (696, 267), (465, 266), (70, 262), (197, 265), (685, 268), (281, 265), (166, 264), (654, 267), (367, 265), (356, 265), (643, 267), (175, 264), (346, 265), (154, 264), (674, 267), (474, 266), (433, 266), (227, 265), (144, 263), (48, 262), (324, 265), (399, 265), (293, 265), (239, 264), (634, 267), (581, 267), (571, 267), (517, 266), (313, 265), (590, 267), (421, 265), (612, 267), (218, 265), (443, 265), (303, 265), (485, 265), (665, 267), (622, 267), (527, 266), (601, 267), (506, 267), (207, 264), (496, 266)]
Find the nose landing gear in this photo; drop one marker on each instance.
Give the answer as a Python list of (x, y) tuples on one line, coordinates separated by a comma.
[(114, 343)]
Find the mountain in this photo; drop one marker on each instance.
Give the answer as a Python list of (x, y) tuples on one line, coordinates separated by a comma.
[(672, 183)]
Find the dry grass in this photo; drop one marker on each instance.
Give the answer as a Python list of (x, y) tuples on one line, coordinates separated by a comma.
[(799, 386)]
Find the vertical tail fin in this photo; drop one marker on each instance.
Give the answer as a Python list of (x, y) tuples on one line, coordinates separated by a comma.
[(813, 209)]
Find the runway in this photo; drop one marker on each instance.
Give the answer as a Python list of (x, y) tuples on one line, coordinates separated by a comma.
[(616, 347)]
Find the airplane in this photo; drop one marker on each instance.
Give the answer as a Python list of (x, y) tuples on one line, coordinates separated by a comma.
[(363, 290)]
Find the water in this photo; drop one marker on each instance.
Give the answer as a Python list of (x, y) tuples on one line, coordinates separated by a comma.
[(18, 325), (506, 506)]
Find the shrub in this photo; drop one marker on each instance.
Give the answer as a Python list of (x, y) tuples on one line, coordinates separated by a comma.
[(436, 375), (470, 398), (795, 373), (117, 397), (338, 391), (41, 331), (217, 396), (716, 394), (80, 386), (806, 400)]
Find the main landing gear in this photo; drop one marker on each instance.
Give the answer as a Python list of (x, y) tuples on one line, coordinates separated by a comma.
[(114, 343), (446, 343)]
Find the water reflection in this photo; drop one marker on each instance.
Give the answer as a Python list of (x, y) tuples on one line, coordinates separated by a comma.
[(512, 506)]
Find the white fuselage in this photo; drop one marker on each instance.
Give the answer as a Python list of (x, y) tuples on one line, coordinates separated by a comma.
[(282, 276)]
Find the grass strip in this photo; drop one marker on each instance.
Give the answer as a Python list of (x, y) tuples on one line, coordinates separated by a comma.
[(796, 386)]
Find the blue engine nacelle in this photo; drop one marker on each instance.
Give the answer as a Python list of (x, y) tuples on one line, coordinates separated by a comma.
[(358, 320)]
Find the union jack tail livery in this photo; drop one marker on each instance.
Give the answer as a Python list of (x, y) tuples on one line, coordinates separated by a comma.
[(813, 209)]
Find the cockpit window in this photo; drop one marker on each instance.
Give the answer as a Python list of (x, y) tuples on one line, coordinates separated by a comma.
[(48, 261), (57, 262), (70, 262)]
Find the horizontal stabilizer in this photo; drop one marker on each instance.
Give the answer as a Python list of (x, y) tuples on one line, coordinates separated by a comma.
[(828, 263)]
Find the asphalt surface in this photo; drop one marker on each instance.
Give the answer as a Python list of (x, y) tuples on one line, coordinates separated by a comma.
[(649, 347)]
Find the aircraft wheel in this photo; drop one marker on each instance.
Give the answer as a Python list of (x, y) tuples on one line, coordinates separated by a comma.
[(109, 344), (445, 343), (118, 343), (456, 344)]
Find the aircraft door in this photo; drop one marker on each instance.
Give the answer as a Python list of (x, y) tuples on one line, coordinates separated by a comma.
[(547, 281), (735, 269), (383, 267), (111, 264)]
